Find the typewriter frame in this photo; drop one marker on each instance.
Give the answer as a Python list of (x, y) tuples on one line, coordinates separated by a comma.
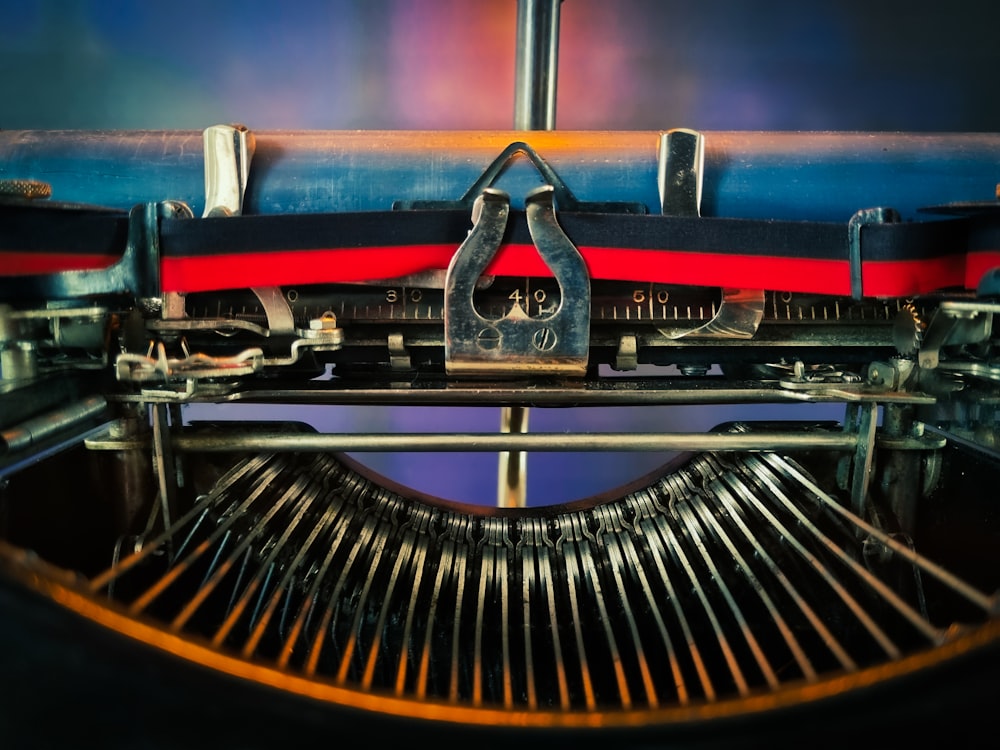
[(125, 346)]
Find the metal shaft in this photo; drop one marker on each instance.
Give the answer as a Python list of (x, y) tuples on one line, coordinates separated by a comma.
[(537, 64), (534, 109), (512, 489), (276, 442)]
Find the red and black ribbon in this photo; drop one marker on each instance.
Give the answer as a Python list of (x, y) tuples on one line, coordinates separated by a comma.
[(898, 259)]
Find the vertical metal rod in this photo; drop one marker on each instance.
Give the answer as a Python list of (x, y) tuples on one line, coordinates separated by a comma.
[(537, 63), (151, 546), (512, 488), (867, 418)]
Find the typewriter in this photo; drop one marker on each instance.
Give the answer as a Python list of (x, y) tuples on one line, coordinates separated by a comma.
[(187, 561)]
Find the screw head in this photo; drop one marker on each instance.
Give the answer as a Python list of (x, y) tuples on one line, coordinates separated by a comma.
[(544, 339), (488, 338)]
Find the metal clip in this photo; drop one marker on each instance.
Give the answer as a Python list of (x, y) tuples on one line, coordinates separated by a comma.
[(861, 219), (517, 344), (228, 152), (680, 171), (680, 175)]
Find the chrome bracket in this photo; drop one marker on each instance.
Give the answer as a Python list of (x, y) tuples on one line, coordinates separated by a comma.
[(680, 172), (229, 149), (680, 175), (228, 152), (558, 343), (861, 219)]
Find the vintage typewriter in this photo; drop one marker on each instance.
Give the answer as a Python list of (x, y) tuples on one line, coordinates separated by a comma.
[(173, 575)]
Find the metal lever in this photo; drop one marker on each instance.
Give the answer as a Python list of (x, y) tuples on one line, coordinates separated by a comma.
[(680, 175), (229, 149), (517, 344), (681, 168)]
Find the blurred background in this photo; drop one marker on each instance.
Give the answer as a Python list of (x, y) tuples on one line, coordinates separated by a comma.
[(449, 64), (870, 65)]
